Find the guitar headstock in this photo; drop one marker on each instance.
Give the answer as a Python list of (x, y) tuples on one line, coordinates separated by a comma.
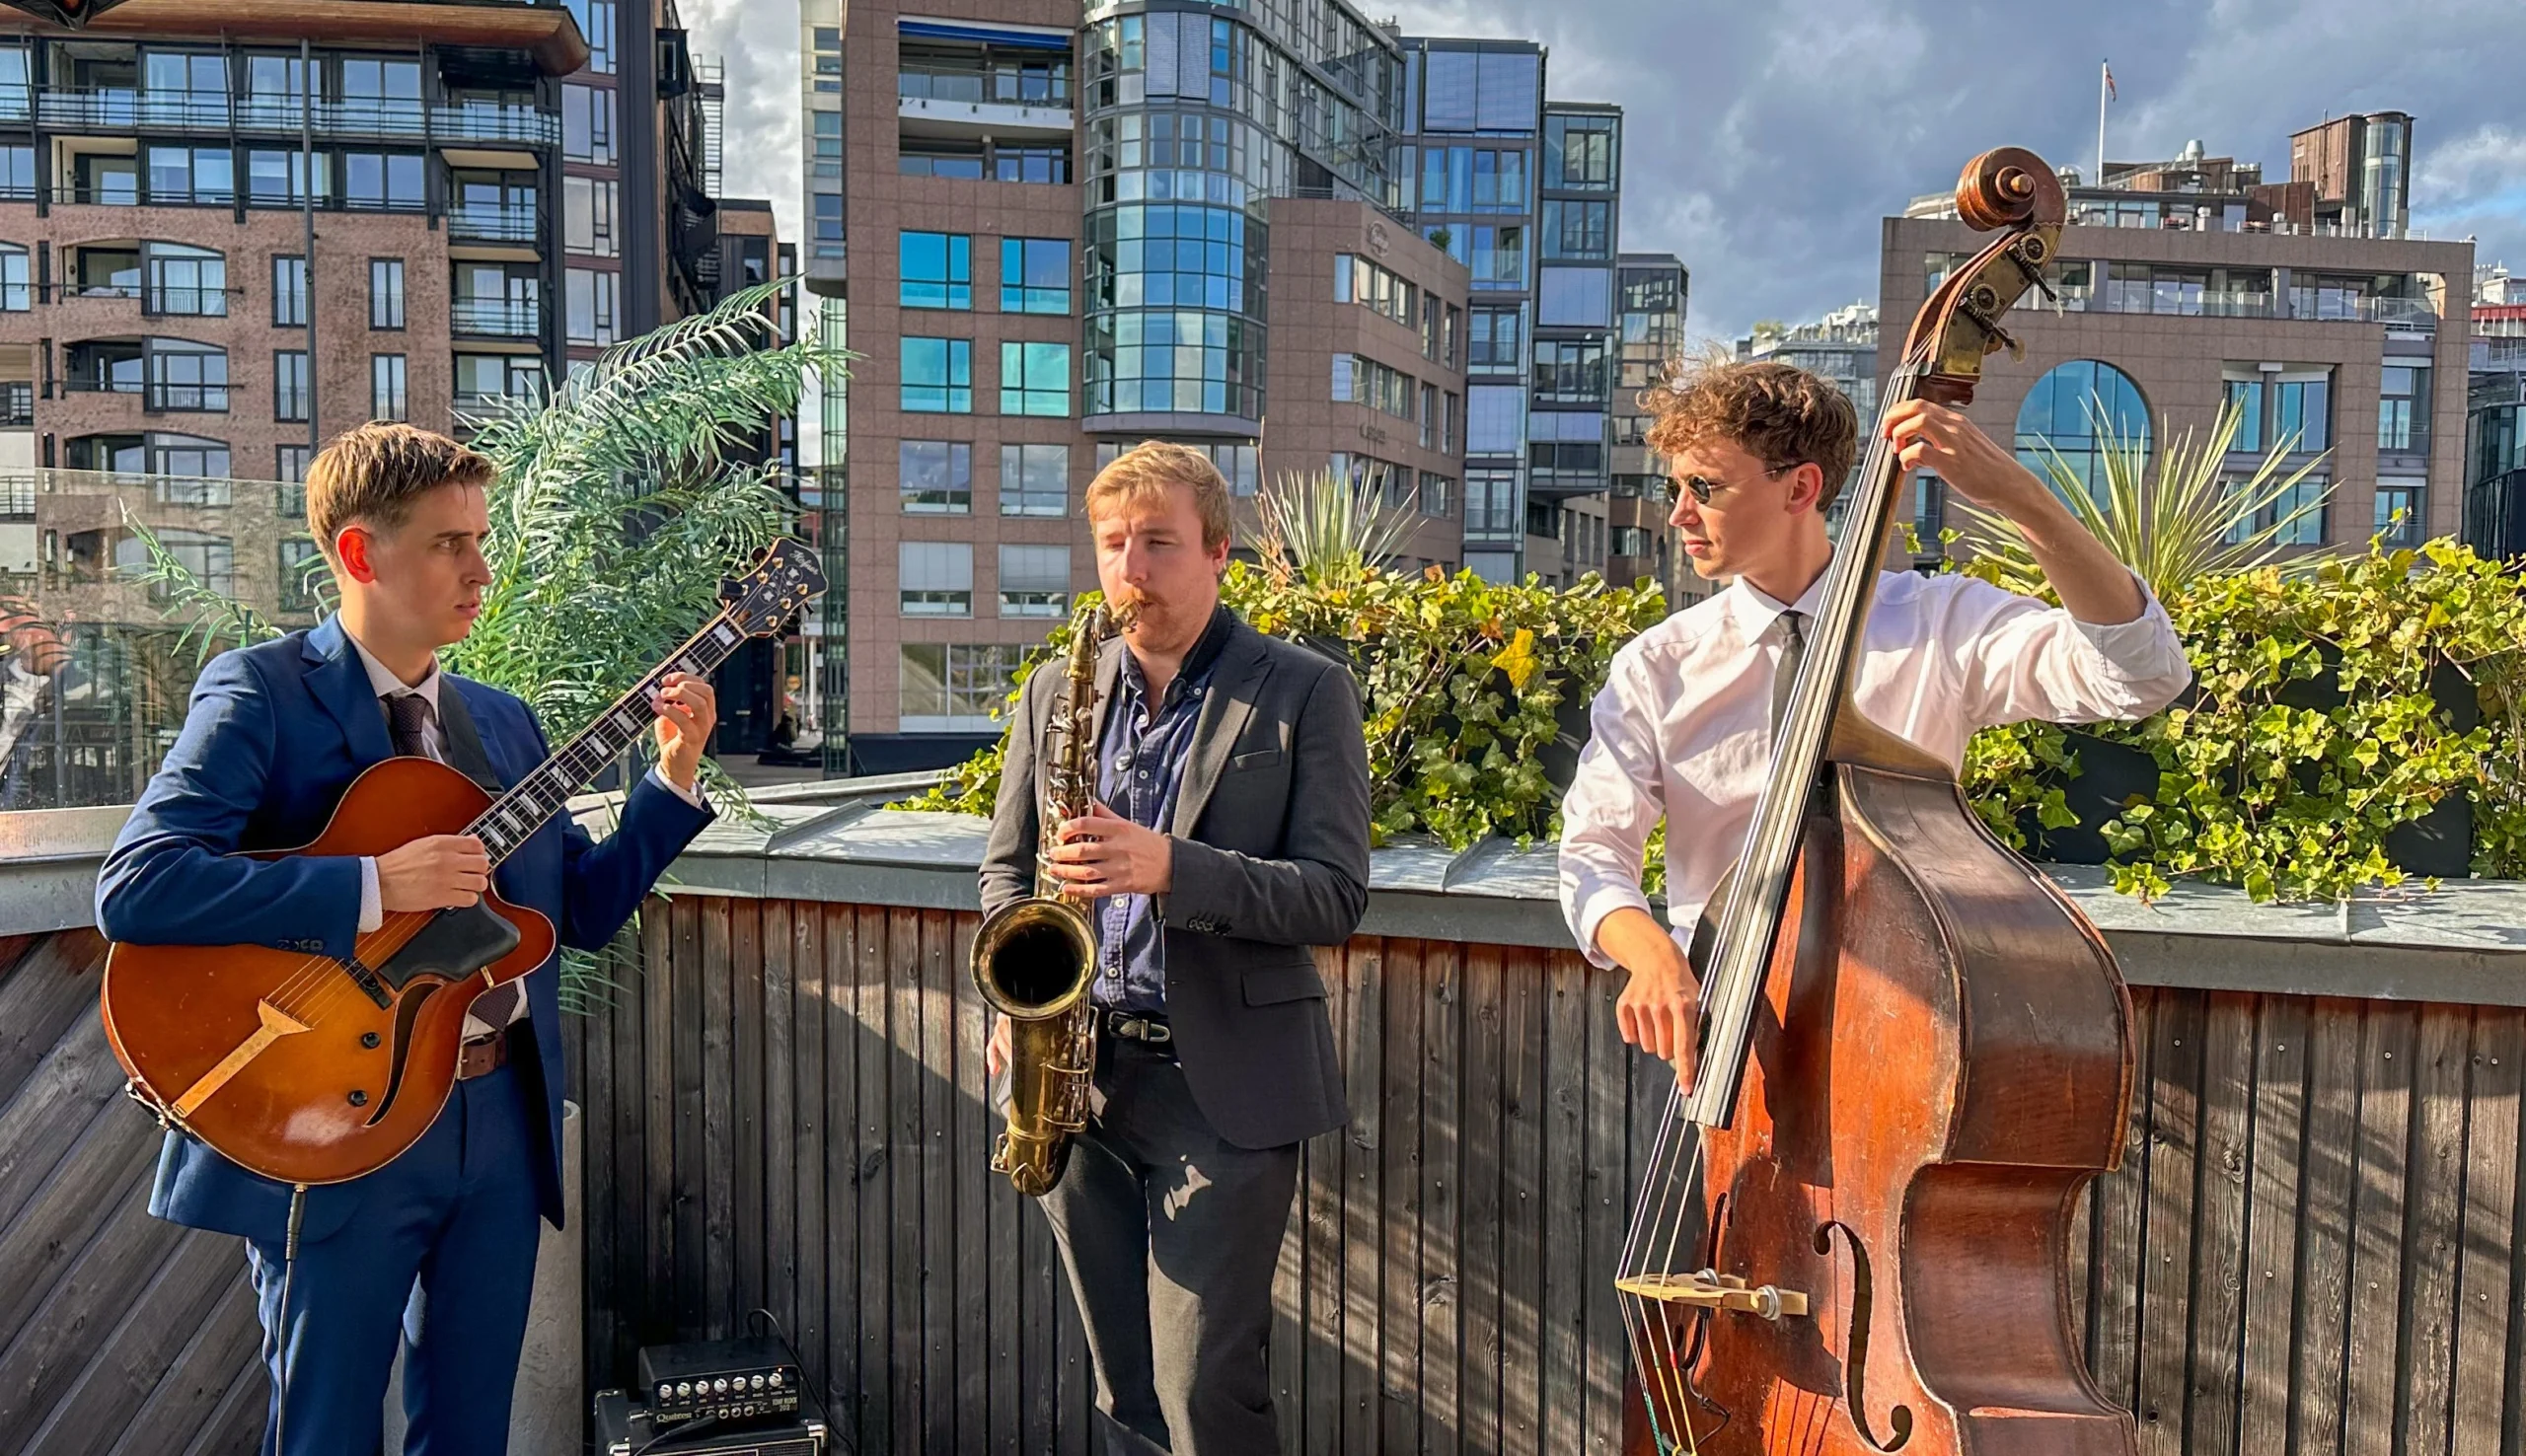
[(764, 600)]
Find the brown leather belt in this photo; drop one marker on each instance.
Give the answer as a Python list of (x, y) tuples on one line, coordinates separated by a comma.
[(482, 1054)]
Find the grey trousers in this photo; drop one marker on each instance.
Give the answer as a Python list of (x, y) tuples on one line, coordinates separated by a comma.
[(1170, 1236)]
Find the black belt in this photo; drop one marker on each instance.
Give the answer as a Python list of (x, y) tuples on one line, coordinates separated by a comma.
[(1145, 1027)]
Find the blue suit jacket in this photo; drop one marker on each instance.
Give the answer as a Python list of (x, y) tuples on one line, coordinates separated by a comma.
[(276, 733)]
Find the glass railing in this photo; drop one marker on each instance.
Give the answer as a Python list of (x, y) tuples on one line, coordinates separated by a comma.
[(495, 223), (392, 118), (496, 317), (206, 398), (1005, 86), (2406, 439)]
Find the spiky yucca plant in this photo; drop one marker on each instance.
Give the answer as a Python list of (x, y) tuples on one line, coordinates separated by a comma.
[(1320, 528), (2193, 520)]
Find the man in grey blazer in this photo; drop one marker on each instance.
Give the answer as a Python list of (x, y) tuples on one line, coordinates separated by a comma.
[(1230, 835)]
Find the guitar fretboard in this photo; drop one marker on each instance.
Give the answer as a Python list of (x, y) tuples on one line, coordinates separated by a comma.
[(516, 815)]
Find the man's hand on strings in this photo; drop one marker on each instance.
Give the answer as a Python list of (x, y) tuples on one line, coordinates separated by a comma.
[(1660, 1012)]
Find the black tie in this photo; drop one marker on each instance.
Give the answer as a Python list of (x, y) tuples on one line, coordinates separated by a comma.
[(1793, 650), (406, 715)]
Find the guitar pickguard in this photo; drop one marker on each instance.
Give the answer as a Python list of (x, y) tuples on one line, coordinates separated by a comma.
[(455, 944)]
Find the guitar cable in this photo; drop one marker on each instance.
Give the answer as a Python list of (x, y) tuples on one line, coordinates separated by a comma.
[(288, 1266)]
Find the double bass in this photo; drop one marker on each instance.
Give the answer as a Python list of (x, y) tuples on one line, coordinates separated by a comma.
[(1853, 1235)]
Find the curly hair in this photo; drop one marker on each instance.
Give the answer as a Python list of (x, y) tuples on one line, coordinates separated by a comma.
[(1779, 412)]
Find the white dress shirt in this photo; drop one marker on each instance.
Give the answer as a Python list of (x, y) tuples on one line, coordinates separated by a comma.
[(382, 678), (1683, 728)]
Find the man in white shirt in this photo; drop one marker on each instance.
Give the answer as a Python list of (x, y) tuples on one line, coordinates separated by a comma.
[(1682, 730)]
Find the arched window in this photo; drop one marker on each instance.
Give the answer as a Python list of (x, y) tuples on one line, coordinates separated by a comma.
[(2081, 410)]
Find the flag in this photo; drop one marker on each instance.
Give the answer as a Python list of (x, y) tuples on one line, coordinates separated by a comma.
[(2109, 83)]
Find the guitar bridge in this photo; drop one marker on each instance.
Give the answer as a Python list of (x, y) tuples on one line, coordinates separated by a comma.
[(366, 979)]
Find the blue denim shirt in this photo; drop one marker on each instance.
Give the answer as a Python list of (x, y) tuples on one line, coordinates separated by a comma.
[(1140, 761)]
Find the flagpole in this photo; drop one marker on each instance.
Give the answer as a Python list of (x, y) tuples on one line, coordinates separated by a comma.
[(2105, 77), (2105, 70)]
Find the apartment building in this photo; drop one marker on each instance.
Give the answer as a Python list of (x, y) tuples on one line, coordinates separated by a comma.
[(1638, 541), (1049, 242), (2496, 417), (2190, 284), (228, 233)]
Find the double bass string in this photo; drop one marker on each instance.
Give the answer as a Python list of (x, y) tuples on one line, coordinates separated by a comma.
[(1666, 1182)]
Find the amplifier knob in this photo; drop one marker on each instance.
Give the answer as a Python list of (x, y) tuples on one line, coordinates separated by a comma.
[(776, 1380), (760, 1382), (719, 1386), (683, 1390), (665, 1392)]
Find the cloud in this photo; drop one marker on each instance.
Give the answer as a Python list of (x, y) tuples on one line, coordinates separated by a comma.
[(1766, 142), (758, 41)]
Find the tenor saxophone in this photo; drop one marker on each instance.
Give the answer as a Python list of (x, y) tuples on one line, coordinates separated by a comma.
[(1034, 958)]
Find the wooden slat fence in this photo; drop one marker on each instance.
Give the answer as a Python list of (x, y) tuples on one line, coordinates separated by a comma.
[(2310, 1248), (120, 1335)]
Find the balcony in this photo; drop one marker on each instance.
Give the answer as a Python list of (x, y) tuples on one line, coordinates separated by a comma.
[(495, 318), (2411, 439), (956, 101), (486, 405), (17, 404), (370, 119), (186, 398), (522, 226)]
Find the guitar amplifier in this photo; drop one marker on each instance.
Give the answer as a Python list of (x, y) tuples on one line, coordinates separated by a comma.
[(624, 1429), (731, 1379)]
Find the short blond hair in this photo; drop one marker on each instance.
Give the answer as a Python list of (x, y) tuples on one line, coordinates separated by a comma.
[(374, 473), (1142, 474)]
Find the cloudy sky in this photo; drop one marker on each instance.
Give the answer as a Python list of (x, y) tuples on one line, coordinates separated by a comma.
[(1765, 142)]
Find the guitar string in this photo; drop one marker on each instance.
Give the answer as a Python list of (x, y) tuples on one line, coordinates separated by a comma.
[(309, 977)]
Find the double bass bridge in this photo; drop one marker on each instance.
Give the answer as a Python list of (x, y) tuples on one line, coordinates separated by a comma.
[(1711, 1290)]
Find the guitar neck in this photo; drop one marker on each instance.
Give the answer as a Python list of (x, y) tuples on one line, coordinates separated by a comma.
[(516, 815)]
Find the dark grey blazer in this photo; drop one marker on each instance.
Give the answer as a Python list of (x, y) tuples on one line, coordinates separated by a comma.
[(1271, 831)]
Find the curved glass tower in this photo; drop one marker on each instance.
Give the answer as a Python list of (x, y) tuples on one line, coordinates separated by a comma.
[(1194, 120)]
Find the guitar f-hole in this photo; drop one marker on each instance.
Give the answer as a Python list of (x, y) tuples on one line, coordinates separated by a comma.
[(415, 994), (1863, 1298)]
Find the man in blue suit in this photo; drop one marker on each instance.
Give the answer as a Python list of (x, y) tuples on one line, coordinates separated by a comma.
[(439, 1245)]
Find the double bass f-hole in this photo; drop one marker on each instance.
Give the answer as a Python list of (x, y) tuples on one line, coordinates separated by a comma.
[(1863, 1297)]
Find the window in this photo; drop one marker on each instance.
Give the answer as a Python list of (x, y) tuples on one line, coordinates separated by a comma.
[(938, 270), (936, 477), (590, 296), (488, 382), (2399, 520), (1034, 379), (279, 179), (18, 173), (1578, 229), (935, 578), (186, 376), (1489, 501), (289, 291), (290, 390), (1034, 479), (17, 285), (1032, 163), (1034, 275), (388, 181), (1496, 341), (1575, 297), (587, 124), (1358, 380), (299, 561), (954, 686), (1571, 371), (588, 216), (2300, 511), (1034, 580), (2083, 410), (596, 23), (289, 464), (1437, 495), (180, 175), (2303, 408), (386, 386), (2245, 396), (828, 137), (1360, 281), (381, 92), (2402, 408), (1578, 152), (1498, 257), (1568, 444), (938, 157), (385, 293), (212, 559), (938, 376), (1473, 179)]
